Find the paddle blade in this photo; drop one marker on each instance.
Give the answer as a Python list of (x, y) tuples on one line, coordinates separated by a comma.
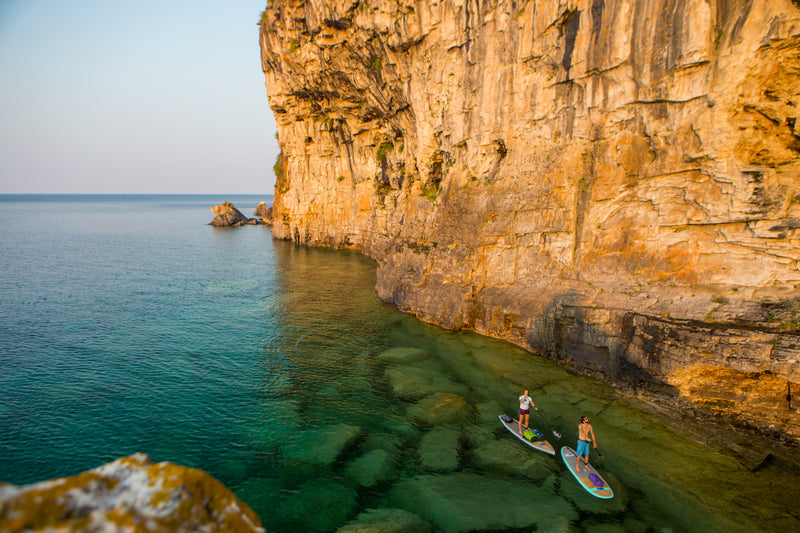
[(599, 455)]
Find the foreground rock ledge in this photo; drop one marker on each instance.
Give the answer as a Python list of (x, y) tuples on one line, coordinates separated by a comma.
[(130, 494)]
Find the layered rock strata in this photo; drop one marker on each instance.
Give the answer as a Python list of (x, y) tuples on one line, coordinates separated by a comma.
[(129, 494), (612, 183)]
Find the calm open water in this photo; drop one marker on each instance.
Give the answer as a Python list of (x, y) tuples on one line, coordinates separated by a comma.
[(129, 325)]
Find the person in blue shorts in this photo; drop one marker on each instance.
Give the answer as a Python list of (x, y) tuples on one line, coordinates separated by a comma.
[(585, 429), (525, 403)]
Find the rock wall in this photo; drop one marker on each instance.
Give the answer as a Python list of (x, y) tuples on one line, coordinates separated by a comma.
[(129, 494), (613, 183)]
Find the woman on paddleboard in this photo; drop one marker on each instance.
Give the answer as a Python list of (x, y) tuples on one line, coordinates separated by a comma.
[(525, 403), (584, 430)]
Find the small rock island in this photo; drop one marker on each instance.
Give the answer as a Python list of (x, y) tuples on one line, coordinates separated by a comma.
[(227, 215)]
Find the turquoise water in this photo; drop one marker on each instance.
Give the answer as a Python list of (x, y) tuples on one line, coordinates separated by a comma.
[(129, 325)]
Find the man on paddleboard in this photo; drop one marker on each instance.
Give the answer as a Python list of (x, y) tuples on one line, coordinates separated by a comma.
[(584, 430), (525, 403)]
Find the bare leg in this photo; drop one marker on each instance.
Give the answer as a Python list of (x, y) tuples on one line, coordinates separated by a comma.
[(578, 464)]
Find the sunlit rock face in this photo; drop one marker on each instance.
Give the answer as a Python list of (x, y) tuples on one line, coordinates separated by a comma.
[(129, 494), (614, 183), (227, 215)]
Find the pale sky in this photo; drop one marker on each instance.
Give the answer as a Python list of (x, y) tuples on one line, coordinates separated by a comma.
[(133, 97)]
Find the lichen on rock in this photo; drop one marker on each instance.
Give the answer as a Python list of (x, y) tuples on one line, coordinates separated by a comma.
[(130, 494)]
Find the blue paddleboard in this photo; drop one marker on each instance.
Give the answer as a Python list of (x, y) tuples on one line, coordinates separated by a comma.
[(588, 478)]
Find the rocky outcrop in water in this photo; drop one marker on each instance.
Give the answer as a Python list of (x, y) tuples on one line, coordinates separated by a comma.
[(129, 494), (264, 213), (612, 183), (228, 215)]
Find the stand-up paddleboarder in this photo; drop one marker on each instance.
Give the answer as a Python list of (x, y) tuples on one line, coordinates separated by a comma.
[(525, 403), (584, 430)]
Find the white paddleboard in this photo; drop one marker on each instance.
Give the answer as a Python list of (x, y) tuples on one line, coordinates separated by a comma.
[(570, 459), (541, 445)]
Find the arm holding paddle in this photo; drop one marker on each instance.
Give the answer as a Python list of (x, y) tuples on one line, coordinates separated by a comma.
[(594, 442)]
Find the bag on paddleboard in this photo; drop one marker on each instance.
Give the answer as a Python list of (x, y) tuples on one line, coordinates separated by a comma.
[(506, 418), (530, 435), (596, 480)]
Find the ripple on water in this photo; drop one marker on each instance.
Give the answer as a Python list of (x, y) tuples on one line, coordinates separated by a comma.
[(322, 407)]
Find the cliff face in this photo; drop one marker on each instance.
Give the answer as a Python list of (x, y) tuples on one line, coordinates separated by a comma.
[(614, 183)]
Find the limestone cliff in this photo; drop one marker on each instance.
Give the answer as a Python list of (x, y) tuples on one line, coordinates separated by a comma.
[(613, 183)]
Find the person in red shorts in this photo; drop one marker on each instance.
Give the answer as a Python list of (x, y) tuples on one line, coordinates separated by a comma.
[(525, 403)]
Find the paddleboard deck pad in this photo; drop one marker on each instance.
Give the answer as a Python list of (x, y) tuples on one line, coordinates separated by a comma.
[(538, 443), (588, 478)]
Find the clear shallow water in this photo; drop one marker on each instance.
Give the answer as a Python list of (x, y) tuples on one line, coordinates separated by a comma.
[(129, 325)]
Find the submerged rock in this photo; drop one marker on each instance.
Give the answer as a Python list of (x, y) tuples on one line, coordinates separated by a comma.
[(439, 449), (386, 521), (228, 215), (488, 411), (371, 468), (594, 527), (414, 382), (510, 456), (388, 442), (320, 504), (467, 502), (403, 354), (441, 408), (556, 525), (321, 446), (128, 494)]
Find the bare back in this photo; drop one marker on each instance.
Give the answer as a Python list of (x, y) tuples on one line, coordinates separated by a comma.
[(584, 429)]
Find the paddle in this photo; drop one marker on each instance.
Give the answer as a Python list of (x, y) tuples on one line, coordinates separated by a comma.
[(556, 434), (599, 455)]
